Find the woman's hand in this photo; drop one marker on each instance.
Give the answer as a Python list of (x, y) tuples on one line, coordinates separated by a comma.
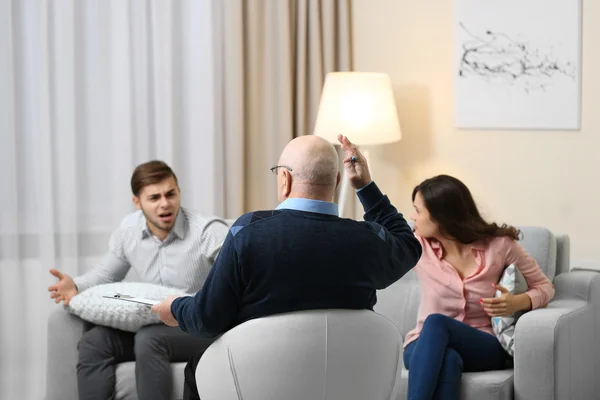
[(506, 304)]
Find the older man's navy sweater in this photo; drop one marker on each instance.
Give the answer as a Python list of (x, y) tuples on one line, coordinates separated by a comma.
[(287, 260)]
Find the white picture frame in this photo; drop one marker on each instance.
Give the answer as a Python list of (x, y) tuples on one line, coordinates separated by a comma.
[(517, 64)]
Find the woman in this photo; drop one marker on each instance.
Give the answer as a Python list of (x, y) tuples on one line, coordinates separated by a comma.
[(463, 259)]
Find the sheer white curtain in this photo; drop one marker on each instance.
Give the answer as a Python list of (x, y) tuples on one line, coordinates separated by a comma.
[(88, 90)]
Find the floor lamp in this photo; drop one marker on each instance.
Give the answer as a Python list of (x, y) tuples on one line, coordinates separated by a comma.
[(361, 106)]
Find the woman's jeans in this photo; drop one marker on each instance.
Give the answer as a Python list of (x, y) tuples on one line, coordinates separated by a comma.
[(445, 349)]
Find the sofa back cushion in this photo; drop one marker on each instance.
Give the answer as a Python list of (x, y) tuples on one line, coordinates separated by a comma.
[(540, 243), (399, 302)]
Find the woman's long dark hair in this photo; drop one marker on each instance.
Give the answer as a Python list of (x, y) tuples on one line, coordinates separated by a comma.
[(451, 205)]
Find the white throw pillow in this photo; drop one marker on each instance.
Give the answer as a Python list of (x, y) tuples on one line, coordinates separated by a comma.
[(504, 327), (90, 306)]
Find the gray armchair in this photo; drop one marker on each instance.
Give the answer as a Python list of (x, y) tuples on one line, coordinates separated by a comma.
[(556, 356)]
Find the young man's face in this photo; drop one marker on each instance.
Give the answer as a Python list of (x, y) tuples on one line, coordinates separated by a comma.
[(160, 205)]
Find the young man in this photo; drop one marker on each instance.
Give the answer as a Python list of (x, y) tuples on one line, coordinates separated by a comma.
[(166, 245), (301, 255)]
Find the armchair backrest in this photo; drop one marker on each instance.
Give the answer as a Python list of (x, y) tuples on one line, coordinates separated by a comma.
[(400, 301), (541, 244), (316, 354)]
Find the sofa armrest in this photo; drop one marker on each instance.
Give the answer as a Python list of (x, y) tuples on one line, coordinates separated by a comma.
[(64, 332), (555, 355)]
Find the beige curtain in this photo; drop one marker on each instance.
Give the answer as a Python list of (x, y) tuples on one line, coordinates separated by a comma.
[(272, 59)]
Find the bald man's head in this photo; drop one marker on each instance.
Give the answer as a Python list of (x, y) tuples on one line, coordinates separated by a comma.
[(314, 164)]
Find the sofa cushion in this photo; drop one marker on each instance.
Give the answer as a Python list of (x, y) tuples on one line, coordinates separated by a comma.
[(492, 385), (91, 306), (399, 302)]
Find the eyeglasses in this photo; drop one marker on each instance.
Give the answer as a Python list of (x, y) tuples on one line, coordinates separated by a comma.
[(275, 169)]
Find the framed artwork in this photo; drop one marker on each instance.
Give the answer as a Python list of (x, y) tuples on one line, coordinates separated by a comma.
[(517, 64)]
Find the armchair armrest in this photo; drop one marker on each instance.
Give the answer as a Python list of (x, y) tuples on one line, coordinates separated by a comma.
[(556, 356), (64, 332)]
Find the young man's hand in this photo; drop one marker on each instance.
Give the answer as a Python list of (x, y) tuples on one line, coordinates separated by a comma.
[(64, 289)]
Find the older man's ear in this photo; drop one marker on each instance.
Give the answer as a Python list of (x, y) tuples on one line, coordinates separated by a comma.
[(286, 184)]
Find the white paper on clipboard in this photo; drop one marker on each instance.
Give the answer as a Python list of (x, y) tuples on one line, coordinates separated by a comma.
[(139, 300)]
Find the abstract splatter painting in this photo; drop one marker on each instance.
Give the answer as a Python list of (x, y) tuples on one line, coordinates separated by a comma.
[(517, 64)]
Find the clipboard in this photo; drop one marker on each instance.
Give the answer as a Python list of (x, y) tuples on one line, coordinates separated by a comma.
[(139, 300)]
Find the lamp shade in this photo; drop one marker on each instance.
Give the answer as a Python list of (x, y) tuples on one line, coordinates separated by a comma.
[(359, 105)]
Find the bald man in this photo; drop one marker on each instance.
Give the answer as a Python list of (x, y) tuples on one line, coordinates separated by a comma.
[(301, 255)]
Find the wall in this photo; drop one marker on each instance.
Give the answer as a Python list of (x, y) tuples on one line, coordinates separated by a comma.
[(547, 178)]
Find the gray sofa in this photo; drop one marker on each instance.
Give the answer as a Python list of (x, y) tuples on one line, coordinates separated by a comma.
[(556, 354)]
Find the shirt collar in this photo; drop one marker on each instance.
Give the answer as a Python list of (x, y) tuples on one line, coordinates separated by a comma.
[(309, 205), (439, 250), (178, 228)]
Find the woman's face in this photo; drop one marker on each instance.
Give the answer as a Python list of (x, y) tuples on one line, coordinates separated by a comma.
[(423, 224)]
